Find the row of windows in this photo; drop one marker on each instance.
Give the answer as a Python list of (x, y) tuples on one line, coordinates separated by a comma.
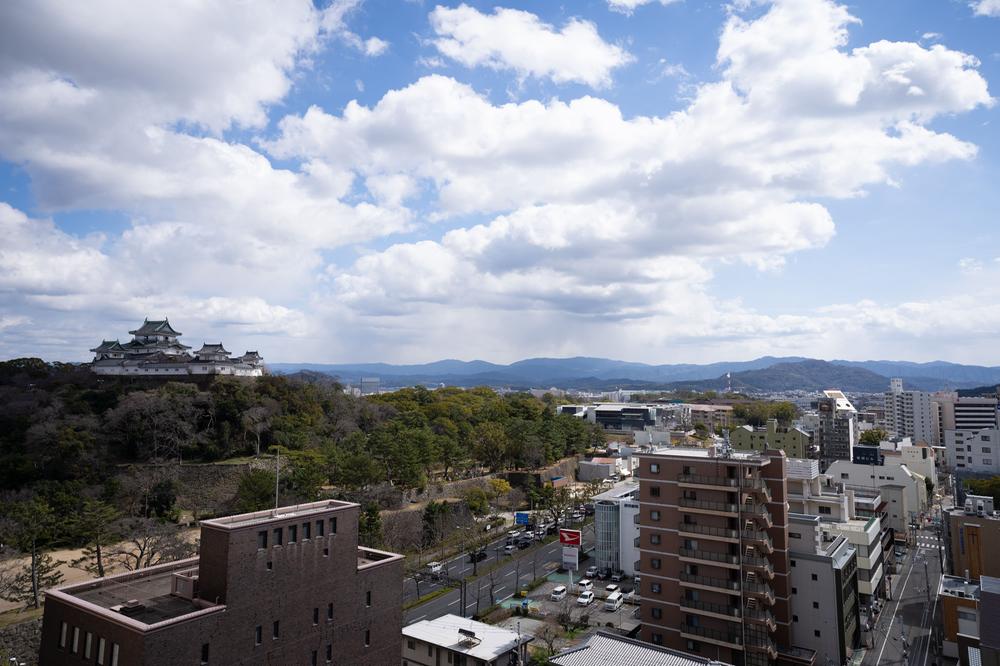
[(278, 533), (88, 649)]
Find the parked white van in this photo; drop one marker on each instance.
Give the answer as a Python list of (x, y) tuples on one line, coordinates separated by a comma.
[(558, 594), (614, 601), (585, 585)]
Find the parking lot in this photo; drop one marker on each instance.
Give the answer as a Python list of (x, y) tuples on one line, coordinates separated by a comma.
[(541, 605)]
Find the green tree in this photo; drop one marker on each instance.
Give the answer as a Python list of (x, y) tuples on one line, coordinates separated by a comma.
[(32, 527), (95, 526), (370, 526), (40, 574), (873, 437), (308, 474), (255, 491), (478, 501), (500, 490)]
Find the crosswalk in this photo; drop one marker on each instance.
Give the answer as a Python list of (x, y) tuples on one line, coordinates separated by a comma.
[(927, 541)]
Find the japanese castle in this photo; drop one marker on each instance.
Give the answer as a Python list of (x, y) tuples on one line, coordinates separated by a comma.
[(155, 350)]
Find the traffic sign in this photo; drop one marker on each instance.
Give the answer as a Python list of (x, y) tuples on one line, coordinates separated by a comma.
[(522, 518), (569, 537), (571, 558)]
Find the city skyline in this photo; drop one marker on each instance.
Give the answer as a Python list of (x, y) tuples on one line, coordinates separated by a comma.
[(654, 181)]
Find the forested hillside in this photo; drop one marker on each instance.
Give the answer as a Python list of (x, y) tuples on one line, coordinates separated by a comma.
[(66, 436)]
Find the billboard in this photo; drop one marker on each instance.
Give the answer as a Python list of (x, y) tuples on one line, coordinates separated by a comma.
[(571, 558), (569, 537), (522, 518)]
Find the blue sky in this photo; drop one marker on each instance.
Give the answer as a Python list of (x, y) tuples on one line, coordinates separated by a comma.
[(659, 181)]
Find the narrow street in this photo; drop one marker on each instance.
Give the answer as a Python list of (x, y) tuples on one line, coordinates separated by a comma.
[(903, 633)]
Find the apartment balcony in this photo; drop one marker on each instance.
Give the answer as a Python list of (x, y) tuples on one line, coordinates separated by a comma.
[(759, 538), (729, 639), (708, 531), (702, 480), (760, 616), (761, 591), (761, 565), (758, 642), (710, 584), (703, 506), (709, 557), (720, 611)]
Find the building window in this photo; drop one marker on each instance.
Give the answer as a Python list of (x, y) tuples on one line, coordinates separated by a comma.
[(987, 449), (655, 588), (654, 491), (795, 590), (329, 652), (276, 630), (693, 646), (815, 604), (270, 565), (258, 635), (654, 539), (333, 526), (987, 461), (657, 639), (87, 645), (795, 618), (114, 654), (411, 645), (62, 635), (654, 468), (816, 633), (825, 510), (368, 598), (430, 650), (329, 611), (100, 652), (654, 515), (262, 539), (204, 653), (315, 658), (306, 531), (657, 613), (845, 475), (277, 536), (315, 616), (655, 563), (293, 533), (326, 552), (319, 527), (76, 640), (815, 577), (368, 638)]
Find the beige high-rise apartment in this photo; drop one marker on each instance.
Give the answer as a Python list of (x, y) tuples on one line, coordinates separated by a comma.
[(714, 563)]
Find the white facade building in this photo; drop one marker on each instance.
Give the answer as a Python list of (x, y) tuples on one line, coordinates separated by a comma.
[(973, 451), (911, 414), (458, 640), (875, 477), (615, 529)]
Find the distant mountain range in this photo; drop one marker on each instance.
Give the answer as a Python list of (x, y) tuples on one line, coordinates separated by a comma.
[(765, 374)]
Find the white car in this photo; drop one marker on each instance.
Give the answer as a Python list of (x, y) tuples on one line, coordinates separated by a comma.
[(585, 584), (509, 549), (558, 594), (435, 568), (611, 589), (591, 572), (585, 599)]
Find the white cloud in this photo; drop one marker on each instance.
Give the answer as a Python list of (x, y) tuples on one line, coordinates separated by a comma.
[(986, 7), (629, 6), (970, 265), (333, 21), (511, 39)]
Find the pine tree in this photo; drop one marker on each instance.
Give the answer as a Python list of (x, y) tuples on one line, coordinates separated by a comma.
[(41, 573)]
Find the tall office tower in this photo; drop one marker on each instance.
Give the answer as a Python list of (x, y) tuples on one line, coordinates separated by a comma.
[(910, 414), (289, 586), (837, 433), (713, 526)]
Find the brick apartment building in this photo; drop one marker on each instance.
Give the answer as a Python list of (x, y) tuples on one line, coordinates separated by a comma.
[(714, 559), (284, 587)]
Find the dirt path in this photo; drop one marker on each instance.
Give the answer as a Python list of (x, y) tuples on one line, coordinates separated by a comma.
[(71, 574)]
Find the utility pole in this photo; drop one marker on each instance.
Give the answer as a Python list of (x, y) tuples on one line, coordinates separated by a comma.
[(927, 581)]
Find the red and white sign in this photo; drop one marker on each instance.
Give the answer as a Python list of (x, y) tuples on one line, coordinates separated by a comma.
[(569, 537)]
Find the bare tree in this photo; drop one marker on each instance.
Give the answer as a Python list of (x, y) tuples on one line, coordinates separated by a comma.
[(549, 635), (149, 542)]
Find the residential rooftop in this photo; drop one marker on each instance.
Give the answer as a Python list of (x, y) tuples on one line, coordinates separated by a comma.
[(956, 586), (273, 515), (618, 492), (711, 452), (606, 649), (466, 636)]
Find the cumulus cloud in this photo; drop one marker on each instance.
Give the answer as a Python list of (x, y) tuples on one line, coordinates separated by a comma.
[(511, 39), (986, 7), (629, 6)]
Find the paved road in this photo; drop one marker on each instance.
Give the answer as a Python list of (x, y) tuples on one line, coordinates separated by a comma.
[(902, 635), (515, 570)]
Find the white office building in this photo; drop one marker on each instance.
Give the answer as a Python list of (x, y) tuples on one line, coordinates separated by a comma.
[(911, 414), (615, 529), (973, 451)]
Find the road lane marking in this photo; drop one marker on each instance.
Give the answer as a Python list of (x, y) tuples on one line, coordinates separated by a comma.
[(888, 631), (454, 602)]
